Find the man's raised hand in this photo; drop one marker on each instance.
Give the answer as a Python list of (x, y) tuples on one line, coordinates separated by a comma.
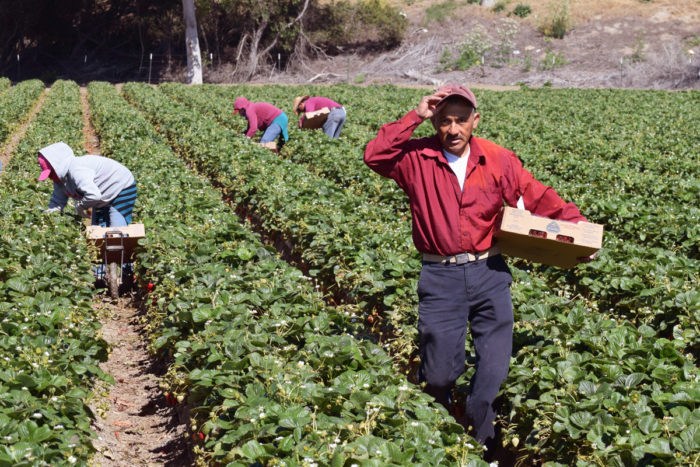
[(426, 107)]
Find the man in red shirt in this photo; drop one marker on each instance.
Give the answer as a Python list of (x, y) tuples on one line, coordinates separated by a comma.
[(457, 184)]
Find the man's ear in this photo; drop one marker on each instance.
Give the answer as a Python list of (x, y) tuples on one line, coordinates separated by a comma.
[(477, 117)]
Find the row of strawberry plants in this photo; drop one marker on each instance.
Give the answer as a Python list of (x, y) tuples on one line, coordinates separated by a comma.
[(15, 104), (4, 84), (347, 171), (664, 213), (620, 154), (586, 371), (49, 348), (271, 374), (312, 212), (659, 290)]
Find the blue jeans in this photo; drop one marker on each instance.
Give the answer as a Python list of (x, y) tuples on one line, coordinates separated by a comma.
[(271, 133), (277, 127), (115, 219), (450, 297), (334, 123)]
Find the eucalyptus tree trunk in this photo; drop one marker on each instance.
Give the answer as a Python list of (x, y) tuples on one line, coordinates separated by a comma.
[(194, 57)]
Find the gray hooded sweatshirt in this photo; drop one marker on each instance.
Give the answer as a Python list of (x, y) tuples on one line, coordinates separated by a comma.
[(93, 181)]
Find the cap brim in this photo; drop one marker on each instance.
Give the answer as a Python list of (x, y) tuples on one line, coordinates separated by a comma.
[(44, 175)]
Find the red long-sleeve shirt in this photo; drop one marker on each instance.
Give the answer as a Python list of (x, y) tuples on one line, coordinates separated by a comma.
[(446, 219), (259, 115)]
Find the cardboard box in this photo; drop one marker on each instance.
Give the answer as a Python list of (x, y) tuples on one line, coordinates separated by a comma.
[(546, 241), (272, 146), (315, 119), (132, 234)]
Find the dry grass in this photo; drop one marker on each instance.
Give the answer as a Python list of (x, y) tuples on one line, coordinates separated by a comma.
[(583, 11)]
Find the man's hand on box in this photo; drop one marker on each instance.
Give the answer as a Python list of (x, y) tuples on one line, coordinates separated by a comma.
[(587, 259)]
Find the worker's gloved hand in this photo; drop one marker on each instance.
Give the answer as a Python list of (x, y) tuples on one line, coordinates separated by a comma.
[(50, 210), (82, 211)]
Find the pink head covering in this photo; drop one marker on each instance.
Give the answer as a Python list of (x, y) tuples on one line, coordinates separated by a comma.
[(240, 104), (46, 168)]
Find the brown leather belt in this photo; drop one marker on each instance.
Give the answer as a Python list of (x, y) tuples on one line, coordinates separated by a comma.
[(461, 258)]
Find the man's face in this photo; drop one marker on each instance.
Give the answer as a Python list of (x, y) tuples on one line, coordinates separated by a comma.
[(454, 122)]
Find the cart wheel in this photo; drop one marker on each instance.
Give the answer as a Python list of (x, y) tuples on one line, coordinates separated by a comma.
[(113, 279)]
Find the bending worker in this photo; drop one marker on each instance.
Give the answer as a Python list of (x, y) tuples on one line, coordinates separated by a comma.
[(335, 120), (263, 116), (456, 184), (96, 183)]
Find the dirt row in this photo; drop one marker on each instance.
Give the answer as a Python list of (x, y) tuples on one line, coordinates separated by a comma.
[(134, 424)]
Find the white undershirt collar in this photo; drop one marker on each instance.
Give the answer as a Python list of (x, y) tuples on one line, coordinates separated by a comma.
[(458, 165)]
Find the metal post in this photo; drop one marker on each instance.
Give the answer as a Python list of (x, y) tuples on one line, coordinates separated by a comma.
[(150, 63)]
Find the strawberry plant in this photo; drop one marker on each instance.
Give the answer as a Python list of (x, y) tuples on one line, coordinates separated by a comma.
[(15, 103), (49, 348), (271, 374)]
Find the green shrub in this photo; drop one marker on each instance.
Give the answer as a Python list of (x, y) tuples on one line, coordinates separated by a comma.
[(388, 23), (438, 12), (348, 23), (558, 20), (499, 6), (552, 60), (506, 32), (470, 52), (522, 10)]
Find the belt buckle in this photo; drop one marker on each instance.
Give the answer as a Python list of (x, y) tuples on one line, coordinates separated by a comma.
[(462, 258)]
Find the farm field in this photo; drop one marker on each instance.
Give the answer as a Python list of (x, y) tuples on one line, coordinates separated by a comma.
[(282, 286)]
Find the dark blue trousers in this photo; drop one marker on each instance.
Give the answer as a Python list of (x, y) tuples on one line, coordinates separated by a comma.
[(450, 297)]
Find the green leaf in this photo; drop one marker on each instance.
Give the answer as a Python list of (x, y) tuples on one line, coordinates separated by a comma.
[(658, 447), (648, 424), (581, 419), (253, 450)]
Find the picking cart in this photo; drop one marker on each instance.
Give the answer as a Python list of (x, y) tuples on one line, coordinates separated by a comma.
[(116, 246)]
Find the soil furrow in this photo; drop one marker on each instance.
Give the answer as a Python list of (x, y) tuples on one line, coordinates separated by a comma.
[(133, 422), (92, 141), (8, 150)]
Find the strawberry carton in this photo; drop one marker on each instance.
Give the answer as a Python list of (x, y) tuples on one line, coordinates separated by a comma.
[(547, 241), (315, 119)]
